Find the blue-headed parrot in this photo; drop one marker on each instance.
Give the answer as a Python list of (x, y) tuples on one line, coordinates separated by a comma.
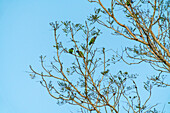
[(128, 2), (70, 50), (92, 40), (80, 53)]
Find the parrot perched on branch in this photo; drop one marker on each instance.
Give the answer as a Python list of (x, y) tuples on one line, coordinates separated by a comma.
[(80, 53), (70, 50), (92, 40), (128, 2)]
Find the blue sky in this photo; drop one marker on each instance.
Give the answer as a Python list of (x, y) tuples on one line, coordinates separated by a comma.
[(25, 34)]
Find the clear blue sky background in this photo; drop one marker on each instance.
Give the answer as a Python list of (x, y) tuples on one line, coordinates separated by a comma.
[(25, 34)]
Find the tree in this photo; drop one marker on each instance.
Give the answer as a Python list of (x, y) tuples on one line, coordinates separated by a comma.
[(87, 80), (150, 27)]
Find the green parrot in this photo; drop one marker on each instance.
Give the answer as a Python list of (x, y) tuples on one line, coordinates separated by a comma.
[(80, 53), (92, 40), (128, 2), (70, 50)]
